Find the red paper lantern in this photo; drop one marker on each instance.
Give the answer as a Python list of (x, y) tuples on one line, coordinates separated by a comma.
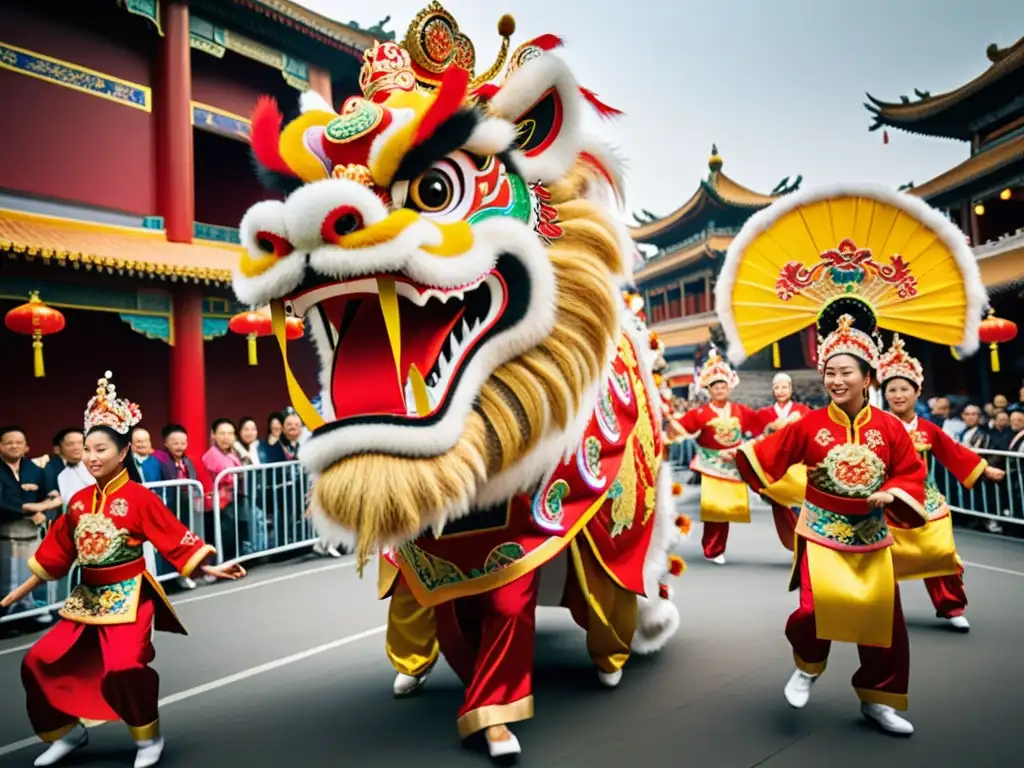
[(995, 331), (252, 325), (35, 319)]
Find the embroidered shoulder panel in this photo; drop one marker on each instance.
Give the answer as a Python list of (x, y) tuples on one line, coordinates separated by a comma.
[(109, 604), (708, 461), (848, 531), (728, 430), (851, 469), (99, 541)]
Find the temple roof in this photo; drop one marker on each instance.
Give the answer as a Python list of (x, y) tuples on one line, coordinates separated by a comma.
[(976, 174), (718, 200), (136, 252), (954, 114)]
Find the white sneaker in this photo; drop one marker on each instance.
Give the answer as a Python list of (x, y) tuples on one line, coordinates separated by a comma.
[(610, 679), (503, 747), (960, 623), (407, 685), (149, 752), (64, 746), (186, 583), (720, 560), (886, 718), (798, 689)]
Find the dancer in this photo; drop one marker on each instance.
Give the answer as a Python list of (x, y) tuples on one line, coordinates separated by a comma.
[(929, 553), (719, 425), (94, 664), (787, 495), (411, 640), (863, 472)]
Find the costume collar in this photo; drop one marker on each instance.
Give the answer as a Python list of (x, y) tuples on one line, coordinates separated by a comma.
[(119, 481), (838, 415), (910, 426), (783, 412)]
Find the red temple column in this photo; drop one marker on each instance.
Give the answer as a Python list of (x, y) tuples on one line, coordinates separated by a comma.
[(173, 107), (320, 81), (188, 373)]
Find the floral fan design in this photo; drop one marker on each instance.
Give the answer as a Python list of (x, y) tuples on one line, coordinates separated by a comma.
[(910, 268)]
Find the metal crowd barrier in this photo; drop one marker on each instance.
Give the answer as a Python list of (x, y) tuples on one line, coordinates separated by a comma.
[(1001, 501), (260, 510)]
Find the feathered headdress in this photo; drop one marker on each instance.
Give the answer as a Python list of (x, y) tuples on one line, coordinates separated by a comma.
[(106, 410), (897, 364), (849, 259), (716, 369)]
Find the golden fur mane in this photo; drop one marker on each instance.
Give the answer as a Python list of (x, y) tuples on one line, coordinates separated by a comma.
[(386, 499)]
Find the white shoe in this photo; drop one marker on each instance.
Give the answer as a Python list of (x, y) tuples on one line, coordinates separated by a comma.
[(407, 685), (720, 560), (64, 746), (149, 752), (504, 747), (186, 583), (960, 623), (887, 718), (798, 689), (610, 679)]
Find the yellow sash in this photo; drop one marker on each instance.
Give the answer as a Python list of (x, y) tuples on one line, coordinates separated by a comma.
[(723, 501), (921, 553), (788, 491)]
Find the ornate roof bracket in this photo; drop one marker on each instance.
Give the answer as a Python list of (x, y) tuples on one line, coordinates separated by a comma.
[(215, 40)]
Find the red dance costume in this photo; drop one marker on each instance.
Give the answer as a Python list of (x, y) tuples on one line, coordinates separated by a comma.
[(94, 664), (786, 513), (842, 564), (723, 497)]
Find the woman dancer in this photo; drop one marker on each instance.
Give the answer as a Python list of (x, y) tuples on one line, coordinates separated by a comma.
[(929, 553), (94, 664), (795, 264)]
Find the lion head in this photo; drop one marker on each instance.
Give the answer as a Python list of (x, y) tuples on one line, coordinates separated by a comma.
[(455, 259)]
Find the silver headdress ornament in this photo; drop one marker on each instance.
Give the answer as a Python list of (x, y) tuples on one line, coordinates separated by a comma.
[(106, 410)]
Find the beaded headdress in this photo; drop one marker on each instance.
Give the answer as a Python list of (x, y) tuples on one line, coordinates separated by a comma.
[(848, 339), (895, 363), (106, 410), (716, 369)]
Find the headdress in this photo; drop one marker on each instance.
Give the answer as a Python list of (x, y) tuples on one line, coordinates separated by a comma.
[(895, 363), (105, 410), (716, 369), (850, 259)]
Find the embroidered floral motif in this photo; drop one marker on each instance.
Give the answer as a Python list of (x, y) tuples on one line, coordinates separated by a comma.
[(727, 430), (503, 556), (432, 572), (620, 383), (708, 461), (78, 506), (615, 491), (99, 541), (606, 419), (934, 501), (547, 506), (118, 507), (851, 470), (109, 601), (188, 539), (588, 462), (847, 530), (824, 438), (873, 439)]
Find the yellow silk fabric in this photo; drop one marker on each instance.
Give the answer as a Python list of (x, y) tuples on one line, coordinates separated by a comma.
[(853, 593), (723, 501), (611, 611), (411, 638), (788, 491), (921, 553)]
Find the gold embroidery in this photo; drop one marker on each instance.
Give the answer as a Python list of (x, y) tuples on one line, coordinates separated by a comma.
[(107, 603), (727, 430), (824, 437), (118, 508), (873, 439), (78, 506), (188, 539), (98, 540), (851, 470)]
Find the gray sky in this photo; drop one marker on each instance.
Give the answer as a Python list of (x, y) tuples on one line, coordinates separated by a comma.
[(778, 85)]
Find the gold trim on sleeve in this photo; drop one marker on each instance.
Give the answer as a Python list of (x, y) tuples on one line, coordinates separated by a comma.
[(201, 554), (977, 472), (39, 571)]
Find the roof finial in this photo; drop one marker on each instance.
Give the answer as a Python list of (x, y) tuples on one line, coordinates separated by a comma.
[(715, 161)]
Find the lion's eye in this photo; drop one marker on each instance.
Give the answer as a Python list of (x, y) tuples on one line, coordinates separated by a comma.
[(270, 244), (438, 190), (343, 220)]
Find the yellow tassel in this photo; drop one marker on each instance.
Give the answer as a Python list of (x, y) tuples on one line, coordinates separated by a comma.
[(954, 353), (37, 356), (776, 358), (994, 354), (252, 349)]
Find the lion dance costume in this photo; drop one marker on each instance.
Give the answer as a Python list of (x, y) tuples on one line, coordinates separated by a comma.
[(853, 259), (489, 411)]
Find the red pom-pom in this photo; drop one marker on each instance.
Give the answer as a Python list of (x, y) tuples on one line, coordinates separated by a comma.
[(663, 592), (676, 565), (683, 523), (677, 489)]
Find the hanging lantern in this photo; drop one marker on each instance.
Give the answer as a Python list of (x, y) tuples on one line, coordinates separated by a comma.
[(252, 325), (35, 319), (995, 331), (294, 328)]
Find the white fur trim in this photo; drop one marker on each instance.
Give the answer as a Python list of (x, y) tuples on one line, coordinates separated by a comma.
[(284, 276), (311, 101), (308, 206), (521, 91), (613, 163), (657, 622), (946, 231), (490, 137)]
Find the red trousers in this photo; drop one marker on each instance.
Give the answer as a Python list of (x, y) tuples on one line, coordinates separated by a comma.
[(948, 595), (884, 674), (785, 524), (714, 538), (488, 639), (93, 672)]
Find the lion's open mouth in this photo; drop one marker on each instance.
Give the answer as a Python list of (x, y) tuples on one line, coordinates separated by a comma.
[(399, 347)]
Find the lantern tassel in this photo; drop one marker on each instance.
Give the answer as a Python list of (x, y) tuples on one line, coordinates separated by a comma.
[(37, 356), (994, 354), (776, 356), (252, 348)]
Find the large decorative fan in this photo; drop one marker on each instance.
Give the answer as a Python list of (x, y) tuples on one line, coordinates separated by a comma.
[(895, 253)]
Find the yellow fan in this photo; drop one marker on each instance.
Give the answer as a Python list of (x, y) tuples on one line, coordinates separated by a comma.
[(901, 257)]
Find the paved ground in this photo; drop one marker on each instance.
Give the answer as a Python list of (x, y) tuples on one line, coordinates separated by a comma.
[(287, 668)]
